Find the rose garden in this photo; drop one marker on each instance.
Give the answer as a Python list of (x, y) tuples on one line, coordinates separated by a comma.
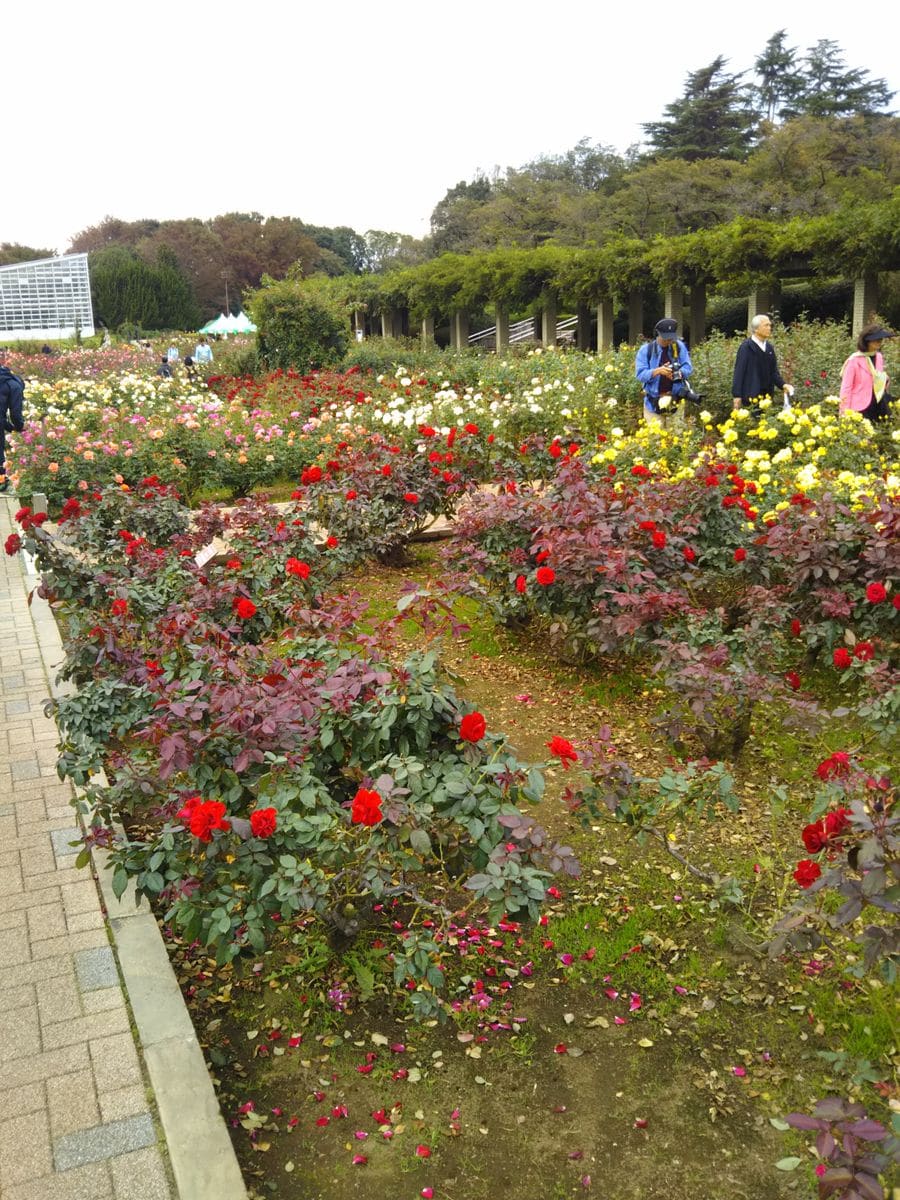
[(514, 784)]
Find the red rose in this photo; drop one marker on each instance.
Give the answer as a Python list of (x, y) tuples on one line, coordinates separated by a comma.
[(814, 837), (263, 822), (740, 554), (555, 450), (351, 495), (386, 470), (876, 593), (659, 539), (611, 470), (545, 576), (690, 555), (711, 481), (838, 766), (542, 556), (472, 727), (187, 811), (841, 658), (366, 809), (411, 497), (206, 818), (807, 873), (244, 608), (470, 428), (521, 584), (863, 651), (796, 627), (233, 564), (836, 822), (563, 750), (896, 601), (295, 566), (119, 608), (13, 544), (331, 543), (649, 526), (792, 679)]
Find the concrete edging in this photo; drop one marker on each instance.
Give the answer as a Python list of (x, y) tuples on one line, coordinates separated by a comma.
[(185, 1099)]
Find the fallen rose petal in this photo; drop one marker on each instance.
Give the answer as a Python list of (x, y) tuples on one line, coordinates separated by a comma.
[(636, 1002), (640, 1123), (360, 1135), (575, 1155), (359, 1160), (679, 990), (321, 1121), (610, 993), (739, 1071), (427, 1193), (423, 1151), (585, 1181), (620, 1020), (560, 1048)]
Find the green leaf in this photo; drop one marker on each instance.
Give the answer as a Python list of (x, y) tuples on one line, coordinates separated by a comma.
[(119, 882), (788, 1164), (420, 842)]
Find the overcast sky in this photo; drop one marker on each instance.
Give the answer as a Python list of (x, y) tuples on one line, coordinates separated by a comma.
[(348, 113)]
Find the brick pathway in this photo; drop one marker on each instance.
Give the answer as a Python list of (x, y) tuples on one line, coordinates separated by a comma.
[(75, 1119)]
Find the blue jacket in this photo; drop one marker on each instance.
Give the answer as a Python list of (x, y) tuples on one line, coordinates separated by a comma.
[(648, 359)]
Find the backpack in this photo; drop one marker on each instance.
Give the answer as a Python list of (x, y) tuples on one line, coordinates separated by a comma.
[(12, 400)]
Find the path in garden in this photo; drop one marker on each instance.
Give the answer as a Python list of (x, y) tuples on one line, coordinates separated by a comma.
[(75, 1119)]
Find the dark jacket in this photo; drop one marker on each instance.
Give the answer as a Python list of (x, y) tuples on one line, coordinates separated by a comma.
[(12, 394), (756, 372)]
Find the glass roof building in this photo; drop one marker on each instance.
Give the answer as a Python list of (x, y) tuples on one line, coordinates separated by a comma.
[(46, 299)]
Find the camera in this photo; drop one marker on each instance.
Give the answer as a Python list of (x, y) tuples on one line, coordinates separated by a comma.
[(688, 393)]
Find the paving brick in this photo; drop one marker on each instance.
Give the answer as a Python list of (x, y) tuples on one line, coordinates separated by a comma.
[(17, 1101), (20, 1033), (80, 922), (104, 1000), (84, 1029), (62, 839), (115, 1062), (14, 947), (92, 1182), (43, 1066), (72, 1103), (96, 969), (124, 1102), (80, 896), (37, 860), (28, 768), (46, 921), (140, 1176), (103, 1141), (32, 809), (59, 999), (24, 1149), (30, 898), (87, 939)]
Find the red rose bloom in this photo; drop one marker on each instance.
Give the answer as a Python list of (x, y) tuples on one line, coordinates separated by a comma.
[(472, 727), (649, 526), (563, 750), (555, 450), (233, 564), (807, 873), (13, 544), (521, 584), (841, 658), (119, 608), (295, 566), (366, 809), (896, 601), (740, 554), (690, 554), (863, 651), (263, 822), (411, 497), (796, 627), (838, 766), (244, 608), (351, 495), (187, 811), (331, 543), (876, 593), (792, 679), (815, 836), (836, 822), (545, 576), (659, 539), (206, 818), (386, 470), (471, 428)]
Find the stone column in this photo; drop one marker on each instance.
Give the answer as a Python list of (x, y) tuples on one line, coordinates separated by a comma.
[(698, 313), (387, 323), (605, 325), (548, 319), (583, 329), (764, 298), (674, 303), (459, 329), (428, 331), (501, 338), (635, 318), (359, 321), (865, 301)]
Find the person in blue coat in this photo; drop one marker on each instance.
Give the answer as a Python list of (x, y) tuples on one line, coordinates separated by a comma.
[(756, 372), (661, 367)]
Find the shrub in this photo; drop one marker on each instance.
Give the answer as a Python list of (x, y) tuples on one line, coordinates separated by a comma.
[(295, 328)]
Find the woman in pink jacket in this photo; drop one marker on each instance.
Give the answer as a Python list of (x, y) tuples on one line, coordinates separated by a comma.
[(864, 381)]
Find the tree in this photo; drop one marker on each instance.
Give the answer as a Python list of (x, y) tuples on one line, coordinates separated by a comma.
[(781, 83), (711, 120), (834, 91), (452, 216), (14, 252)]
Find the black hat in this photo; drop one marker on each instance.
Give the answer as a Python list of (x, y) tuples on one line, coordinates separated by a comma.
[(878, 335), (666, 328)]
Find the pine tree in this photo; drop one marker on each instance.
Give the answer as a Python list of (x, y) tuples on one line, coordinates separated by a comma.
[(781, 82), (711, 120), (831, 90)]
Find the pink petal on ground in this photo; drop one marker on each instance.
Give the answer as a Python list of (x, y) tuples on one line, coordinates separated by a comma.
[(576, 1155), (610, 993), (636, 1002), (560, 1048), (567, 959), (359, 1160), (585, 1181), (427, 1193), (423, 1151), (640, 1123), (620, 1020), (739, 1071), (679, 990), (360, 1135)]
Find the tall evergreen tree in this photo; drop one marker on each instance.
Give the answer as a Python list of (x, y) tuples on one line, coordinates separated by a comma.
[(780, 81), (833, 90), (711, 120)]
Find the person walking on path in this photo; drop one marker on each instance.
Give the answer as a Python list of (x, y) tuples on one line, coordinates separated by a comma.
[(12, 414), (756, 371), (864, 381)]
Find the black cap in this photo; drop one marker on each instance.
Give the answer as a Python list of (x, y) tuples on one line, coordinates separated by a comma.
[(666, 328), (878, 335)]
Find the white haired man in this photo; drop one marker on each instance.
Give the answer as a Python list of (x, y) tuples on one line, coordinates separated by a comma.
[(756, 371)]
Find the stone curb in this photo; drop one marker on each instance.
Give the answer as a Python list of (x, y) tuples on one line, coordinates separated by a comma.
[(200, 1151)]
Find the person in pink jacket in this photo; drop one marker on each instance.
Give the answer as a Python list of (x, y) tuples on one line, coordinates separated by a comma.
[(864, 381)]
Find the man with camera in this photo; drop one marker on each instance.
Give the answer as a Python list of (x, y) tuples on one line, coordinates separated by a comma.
[(662, 368)]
